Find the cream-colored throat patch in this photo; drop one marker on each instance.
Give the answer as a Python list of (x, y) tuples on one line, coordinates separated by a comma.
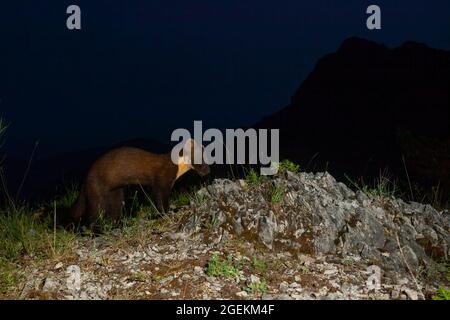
[(183, 167)]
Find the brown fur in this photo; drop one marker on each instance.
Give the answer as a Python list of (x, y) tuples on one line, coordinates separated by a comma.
[(103, 188)]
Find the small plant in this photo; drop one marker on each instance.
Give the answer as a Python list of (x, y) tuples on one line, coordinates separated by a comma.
[(437, 197), (383, 186), (252, 177), (131, 227), (67, 199), (304, 270), (222, 268), (259, 265), (104, 223), (138, 276), (153, 210), (277, 194), (213, 222), (287, 165), (199, 198), (438, 271), (135, 206), (255, 287), (184, 198), (442, 294), (149, 211), (348, 262), (181, 199), (8, 277)]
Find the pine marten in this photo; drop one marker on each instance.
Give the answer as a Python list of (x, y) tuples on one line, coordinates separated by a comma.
[(103, 189)]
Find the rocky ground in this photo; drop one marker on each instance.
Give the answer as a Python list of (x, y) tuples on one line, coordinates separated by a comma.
[(292, 236)]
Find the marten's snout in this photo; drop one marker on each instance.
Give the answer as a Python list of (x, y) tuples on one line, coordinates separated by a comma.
[(196, 151), (203, 169)]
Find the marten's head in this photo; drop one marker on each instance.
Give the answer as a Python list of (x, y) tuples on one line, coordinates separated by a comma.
[(188, 159)]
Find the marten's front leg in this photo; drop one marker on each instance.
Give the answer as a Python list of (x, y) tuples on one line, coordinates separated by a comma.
[(161, 197)]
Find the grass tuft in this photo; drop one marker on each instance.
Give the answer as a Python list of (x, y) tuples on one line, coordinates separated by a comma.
[(67, 199), (180, 199), (24, 233), (277, 194), (253, 177), (256, 287), (442, 294), (213, 222), (438, 271), (383, 187), (287, 165), (218, 267), (259, 265)]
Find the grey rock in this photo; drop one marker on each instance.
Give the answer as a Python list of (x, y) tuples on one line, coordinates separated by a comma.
[(284, 286), (362, 198), (58, 266), (345, 191), (242, 294), (395, 294), (192, 224), (267, 227), (223, 186), (237, 225), (276, 297), (49, 285), (411, 294), (198, 270), (410, 257)]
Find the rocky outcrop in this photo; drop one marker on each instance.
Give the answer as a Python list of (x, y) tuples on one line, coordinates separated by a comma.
[(318, 215)]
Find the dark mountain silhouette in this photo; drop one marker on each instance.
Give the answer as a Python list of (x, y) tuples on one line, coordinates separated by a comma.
[(365, 107)]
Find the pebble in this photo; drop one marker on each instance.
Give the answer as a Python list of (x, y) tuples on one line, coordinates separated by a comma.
[(411, 294), (58, 266), (284, 286), (198, 270), (49, 285)]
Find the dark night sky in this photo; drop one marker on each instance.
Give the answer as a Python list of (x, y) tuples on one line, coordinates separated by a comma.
[(143, 68)]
